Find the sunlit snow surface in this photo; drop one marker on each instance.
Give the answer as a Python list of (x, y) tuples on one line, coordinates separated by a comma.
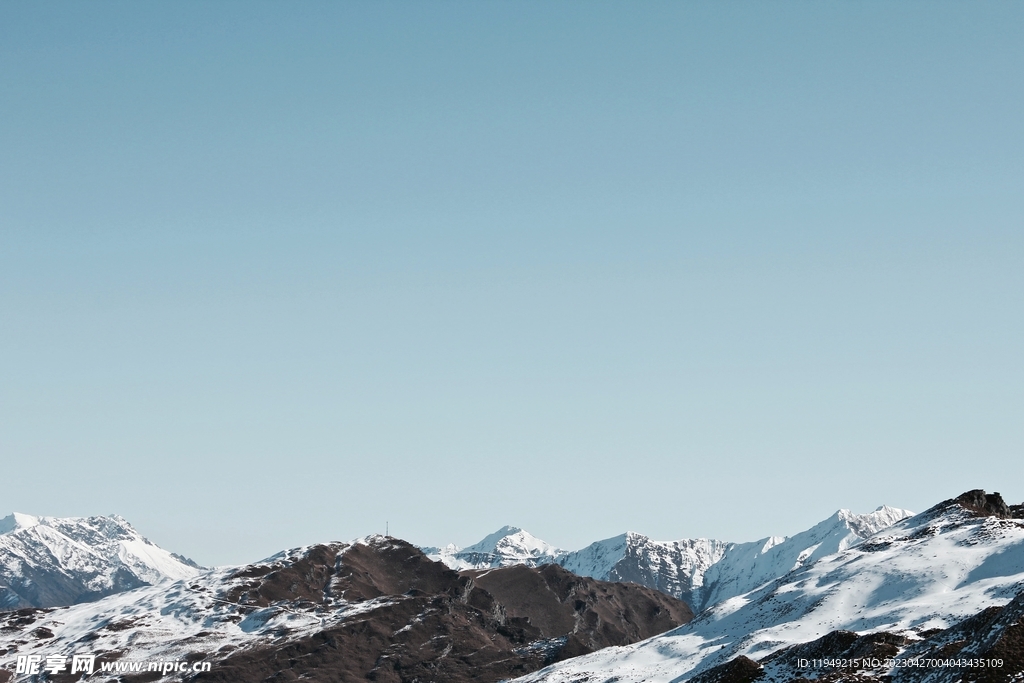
[(925, 572)]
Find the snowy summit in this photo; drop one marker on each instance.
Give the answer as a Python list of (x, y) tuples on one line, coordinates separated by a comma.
[(52, 561)]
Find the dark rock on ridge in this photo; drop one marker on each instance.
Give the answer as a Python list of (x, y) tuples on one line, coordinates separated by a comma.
[(431, 623), (977, 503), (982, 504)]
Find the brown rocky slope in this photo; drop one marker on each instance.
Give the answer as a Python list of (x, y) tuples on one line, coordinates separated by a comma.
[(438, 624)]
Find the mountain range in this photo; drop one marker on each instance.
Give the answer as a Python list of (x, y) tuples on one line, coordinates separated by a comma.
[(51, 561), (846, 600), (699, 571)]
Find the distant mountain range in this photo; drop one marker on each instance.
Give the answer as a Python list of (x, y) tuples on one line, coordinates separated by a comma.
[(838, 602), (50, 561), (699, 571)]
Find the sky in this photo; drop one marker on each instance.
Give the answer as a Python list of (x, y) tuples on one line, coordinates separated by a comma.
[(280, 273)]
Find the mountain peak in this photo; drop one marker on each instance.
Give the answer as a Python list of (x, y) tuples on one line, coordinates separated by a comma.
[(870, 523), (507, 546), (17, 520), (513, 541)]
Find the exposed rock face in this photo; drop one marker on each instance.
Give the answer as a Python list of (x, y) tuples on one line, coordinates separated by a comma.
[(982, 504), (673, 567), (838, 646), (441, 625)]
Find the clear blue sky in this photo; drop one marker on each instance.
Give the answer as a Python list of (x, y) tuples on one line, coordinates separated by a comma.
[(276, 273)]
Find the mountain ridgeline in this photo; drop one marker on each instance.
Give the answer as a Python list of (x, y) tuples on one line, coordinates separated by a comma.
[(840, 601), (698, 571)]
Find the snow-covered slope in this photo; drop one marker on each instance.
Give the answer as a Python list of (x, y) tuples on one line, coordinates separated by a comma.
[(926, 572), (507, 546), (745, 566), (700, 571), (50, 561)]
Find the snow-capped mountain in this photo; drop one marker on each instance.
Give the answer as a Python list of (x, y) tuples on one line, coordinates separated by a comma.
[(506, 547), (51, 561), (674, 567), (373, 609), (947, 582), (924, 573), (700, 571)]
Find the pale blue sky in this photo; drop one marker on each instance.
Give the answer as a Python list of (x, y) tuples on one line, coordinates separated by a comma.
[(275, 273)]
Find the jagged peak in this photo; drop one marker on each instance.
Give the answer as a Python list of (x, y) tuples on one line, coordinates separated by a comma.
[(513, 538), (870, 523)]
